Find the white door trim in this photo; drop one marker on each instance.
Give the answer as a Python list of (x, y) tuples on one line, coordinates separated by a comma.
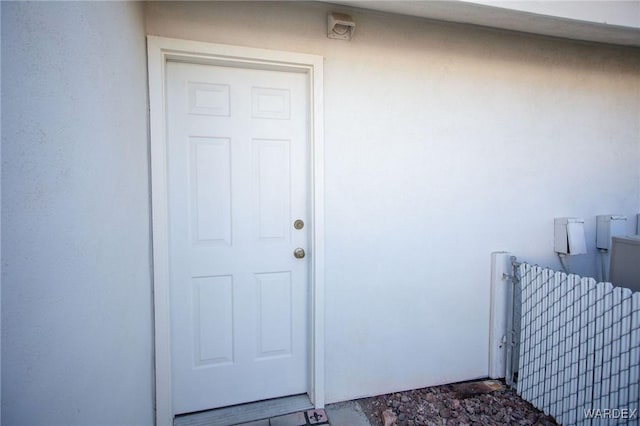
[(160, 50)]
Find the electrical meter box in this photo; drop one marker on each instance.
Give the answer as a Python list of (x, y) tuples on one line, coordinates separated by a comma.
[(625, 262), (608, 226), (569, 236)]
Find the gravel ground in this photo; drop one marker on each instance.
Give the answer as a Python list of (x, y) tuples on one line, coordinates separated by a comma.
[(483, 403)]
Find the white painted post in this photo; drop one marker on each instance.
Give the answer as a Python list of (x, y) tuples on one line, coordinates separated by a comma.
[(500, 267)]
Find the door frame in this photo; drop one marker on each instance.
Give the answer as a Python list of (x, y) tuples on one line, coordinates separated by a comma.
[(159, 51)]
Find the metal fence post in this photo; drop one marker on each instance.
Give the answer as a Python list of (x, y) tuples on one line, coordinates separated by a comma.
[(512, 323), (500, 269)]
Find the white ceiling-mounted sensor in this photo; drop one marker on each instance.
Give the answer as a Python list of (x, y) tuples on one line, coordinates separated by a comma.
[(340, 26)]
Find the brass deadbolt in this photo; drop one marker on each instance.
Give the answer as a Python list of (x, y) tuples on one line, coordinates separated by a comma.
[(298, 224)]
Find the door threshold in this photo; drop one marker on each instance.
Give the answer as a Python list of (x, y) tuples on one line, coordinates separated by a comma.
[(244, 413)]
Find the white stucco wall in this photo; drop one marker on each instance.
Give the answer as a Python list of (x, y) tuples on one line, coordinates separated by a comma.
[(76, 286), (443, 143)]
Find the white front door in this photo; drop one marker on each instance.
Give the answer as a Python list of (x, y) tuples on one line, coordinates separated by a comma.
[(237, 180)]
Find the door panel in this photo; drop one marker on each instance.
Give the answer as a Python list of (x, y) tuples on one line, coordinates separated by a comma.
[(237, 179), (210, 173), (272, 174), (275, 314), (213, 320)]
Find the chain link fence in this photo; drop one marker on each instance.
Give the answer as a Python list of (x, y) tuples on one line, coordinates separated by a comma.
[(575, 347)]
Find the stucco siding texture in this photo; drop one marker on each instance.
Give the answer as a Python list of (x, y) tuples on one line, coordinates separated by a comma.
[(443, 143), (76, 284)]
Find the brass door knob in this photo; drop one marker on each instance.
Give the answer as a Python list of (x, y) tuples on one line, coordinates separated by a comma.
[(299, 253)]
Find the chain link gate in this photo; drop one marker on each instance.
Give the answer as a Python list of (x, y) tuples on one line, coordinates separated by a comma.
[(573, 346)]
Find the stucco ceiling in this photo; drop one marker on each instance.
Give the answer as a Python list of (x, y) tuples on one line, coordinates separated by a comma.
[(551, 23)]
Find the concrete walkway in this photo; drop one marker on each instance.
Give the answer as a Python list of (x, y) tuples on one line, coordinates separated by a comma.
[(341, 414), (346, 413)]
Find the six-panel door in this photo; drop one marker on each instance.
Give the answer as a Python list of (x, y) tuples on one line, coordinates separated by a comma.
[(237, 157)]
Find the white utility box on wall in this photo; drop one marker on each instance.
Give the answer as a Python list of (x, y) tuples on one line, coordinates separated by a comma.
[(608, 226), (569, 236), (625, 262)]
